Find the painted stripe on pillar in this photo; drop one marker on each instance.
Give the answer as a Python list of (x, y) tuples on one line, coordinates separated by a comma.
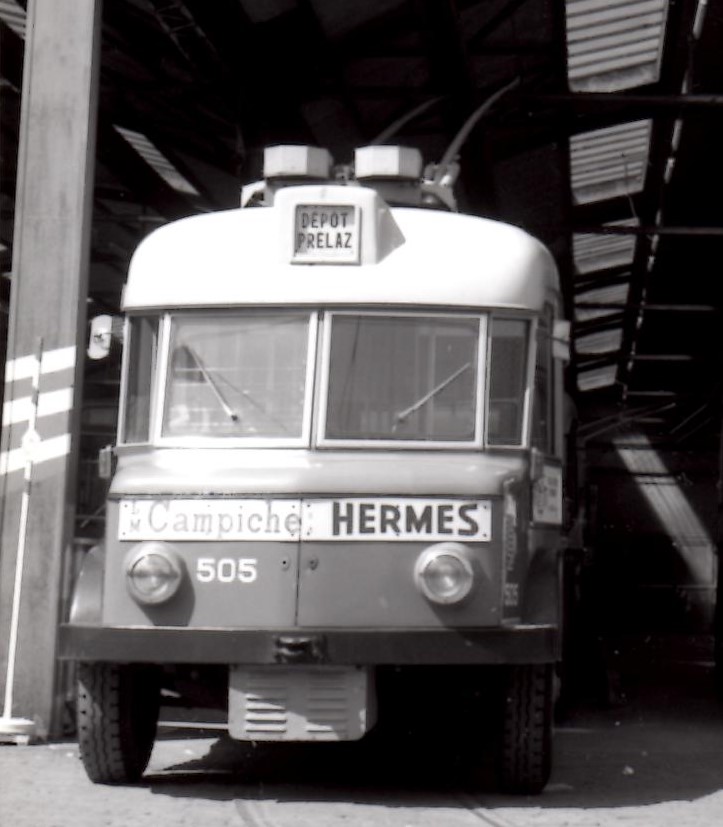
[(48, 427), (53, 402), (53, 361), (47, 449), (52, 405), (50, 382)]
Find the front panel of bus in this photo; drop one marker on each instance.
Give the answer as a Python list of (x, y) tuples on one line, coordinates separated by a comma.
[(326, 468)]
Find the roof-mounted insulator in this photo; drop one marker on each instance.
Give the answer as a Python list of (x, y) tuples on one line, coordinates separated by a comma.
[(297, 162), (388, 162)]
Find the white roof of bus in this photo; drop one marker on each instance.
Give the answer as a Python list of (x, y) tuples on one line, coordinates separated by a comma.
[(447, 259)]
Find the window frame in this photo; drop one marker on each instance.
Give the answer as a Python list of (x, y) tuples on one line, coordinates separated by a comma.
[(322, 441), (128, 336), (200, 441), (317, 381), (543, 335), (530, 323)]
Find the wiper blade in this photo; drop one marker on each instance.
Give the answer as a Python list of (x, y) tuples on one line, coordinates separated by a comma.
[(248, 397), (402, 416), (213, 384), (259, 407)]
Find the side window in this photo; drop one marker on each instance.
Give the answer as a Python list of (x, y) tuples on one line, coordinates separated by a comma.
[(542, 406), (507, 381), (139, 371)]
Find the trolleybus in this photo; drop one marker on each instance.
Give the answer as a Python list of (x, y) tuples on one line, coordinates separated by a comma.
[(340, 452)]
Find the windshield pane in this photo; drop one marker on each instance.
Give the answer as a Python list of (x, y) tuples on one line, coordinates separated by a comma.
[(403, 378), (235, 375)]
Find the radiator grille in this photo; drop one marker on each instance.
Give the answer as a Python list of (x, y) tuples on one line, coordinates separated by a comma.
[(300, 704)]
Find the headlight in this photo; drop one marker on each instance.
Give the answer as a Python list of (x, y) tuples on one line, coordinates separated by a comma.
[(154, 572), (444, 574)]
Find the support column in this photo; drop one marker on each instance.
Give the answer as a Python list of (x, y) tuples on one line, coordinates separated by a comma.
[(47, 304)]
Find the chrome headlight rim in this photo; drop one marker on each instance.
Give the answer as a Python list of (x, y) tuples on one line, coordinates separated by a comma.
[(430, 557), (171, 585)]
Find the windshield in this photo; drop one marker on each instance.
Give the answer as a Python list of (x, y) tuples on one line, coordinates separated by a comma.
[(237, 375), (411, 378), (386, 378)]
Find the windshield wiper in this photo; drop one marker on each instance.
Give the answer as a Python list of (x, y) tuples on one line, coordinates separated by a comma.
[(213, 384), (402, 416), (259, 407), (248, 397)]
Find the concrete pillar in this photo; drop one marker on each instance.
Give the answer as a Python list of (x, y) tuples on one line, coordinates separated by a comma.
[(47, 304)]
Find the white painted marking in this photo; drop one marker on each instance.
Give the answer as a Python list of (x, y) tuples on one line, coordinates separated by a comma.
[(48, 449), (53, 362), (52, 402)]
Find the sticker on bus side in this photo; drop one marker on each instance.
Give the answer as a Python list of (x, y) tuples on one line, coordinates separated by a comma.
[(547, 496), (354, 519), (219, 519)]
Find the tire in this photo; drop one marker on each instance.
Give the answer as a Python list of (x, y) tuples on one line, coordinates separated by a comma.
[(526, 750), (117, 715)]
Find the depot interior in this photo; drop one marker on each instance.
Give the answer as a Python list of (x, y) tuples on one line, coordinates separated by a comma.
[(606, 147)]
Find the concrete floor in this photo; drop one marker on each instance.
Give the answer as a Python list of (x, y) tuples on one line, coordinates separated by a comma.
[(650, 755)]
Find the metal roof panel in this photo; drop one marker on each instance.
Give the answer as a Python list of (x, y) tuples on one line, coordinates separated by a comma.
[(157, 161), (609, 162), (589, 380), (603, 341), (14, 16), (615, 294), (614, 45), (600, 251)]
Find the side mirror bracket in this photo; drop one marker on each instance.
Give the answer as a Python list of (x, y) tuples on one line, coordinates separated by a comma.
[(103, 330), (106, 462)]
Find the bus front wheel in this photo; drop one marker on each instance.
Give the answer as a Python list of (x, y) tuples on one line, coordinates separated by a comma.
[(526, 750), (117, 716)]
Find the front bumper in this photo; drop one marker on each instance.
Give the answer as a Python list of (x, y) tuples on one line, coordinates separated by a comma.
[(167, 645)]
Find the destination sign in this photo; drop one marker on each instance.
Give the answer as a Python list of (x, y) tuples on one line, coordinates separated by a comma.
[(326, 233), (396, 519), (218, 519), (348, 519)]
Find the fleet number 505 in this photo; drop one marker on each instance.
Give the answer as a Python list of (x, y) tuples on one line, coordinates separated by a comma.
[(226, 569)]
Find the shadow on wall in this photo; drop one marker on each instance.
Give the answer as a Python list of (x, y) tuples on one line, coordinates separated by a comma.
[(653, 551)]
